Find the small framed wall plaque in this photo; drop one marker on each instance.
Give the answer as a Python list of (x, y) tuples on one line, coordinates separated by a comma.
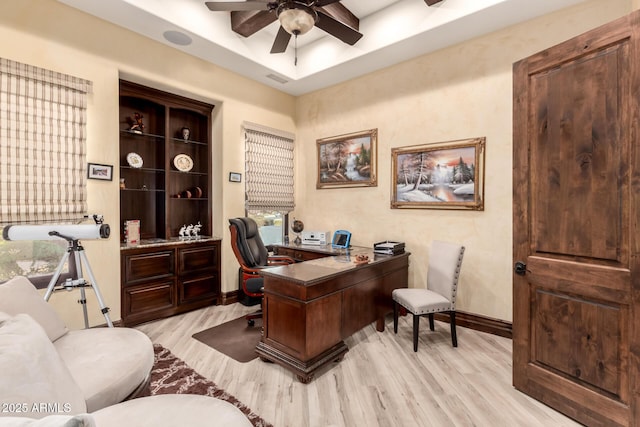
[(235, 177), (103, 172)]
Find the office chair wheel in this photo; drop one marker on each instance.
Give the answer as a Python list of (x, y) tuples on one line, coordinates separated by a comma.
[(251, 322)]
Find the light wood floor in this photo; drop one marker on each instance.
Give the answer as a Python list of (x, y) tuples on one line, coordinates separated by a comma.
[(380, 381)]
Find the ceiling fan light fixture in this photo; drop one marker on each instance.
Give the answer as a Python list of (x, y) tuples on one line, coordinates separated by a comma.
[(296, 18)]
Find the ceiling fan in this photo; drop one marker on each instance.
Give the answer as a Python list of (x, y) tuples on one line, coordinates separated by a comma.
[(296, 17)]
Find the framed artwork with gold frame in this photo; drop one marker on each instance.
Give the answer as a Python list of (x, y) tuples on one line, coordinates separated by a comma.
[(445, 175), (348, 160)]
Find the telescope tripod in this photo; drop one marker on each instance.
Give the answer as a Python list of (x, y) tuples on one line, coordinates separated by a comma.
[(80, 257)]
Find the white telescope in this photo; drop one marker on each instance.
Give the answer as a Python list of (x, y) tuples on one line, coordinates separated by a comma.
[(56, 231), (72, 233)]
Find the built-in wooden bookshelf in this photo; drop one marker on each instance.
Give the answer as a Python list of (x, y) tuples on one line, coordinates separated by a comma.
[(157, 193), (165, 183)]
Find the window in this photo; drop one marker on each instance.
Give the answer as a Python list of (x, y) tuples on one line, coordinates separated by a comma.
[(36, 260), (272, 226), (42, 162), (269, 188)]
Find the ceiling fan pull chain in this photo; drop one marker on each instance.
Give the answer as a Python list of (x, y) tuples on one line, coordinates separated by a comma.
[(295, 49)]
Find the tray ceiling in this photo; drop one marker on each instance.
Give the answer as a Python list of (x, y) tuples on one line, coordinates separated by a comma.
[(394, 31)]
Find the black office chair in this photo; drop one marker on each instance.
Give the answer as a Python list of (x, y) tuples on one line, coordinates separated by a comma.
[(252, 256)]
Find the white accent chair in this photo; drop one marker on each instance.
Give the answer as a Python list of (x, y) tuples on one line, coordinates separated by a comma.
[(109, 365), (54, 377), (445, 261)]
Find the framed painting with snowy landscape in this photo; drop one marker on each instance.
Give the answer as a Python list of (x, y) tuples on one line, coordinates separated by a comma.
[(348, 160), (447, 175)]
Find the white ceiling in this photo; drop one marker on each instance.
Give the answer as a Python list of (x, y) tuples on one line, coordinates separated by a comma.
[(394, 31)]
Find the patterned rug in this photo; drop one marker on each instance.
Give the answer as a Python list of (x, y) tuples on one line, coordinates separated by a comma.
[(171, 375)]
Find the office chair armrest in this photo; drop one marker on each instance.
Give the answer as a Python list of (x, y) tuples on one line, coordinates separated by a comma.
[(254, 271), (280, 260)]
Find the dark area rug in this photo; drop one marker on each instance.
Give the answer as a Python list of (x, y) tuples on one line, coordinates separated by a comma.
[(234, 338), (171, 375)]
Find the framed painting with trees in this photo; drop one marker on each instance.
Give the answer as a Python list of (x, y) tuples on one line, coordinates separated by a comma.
[(445, 175), (348, 160)]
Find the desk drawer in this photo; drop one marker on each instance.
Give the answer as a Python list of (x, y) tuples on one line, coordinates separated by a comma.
[(198, 287), (155, 265), (199, 259), (143, 301), (299, 255)]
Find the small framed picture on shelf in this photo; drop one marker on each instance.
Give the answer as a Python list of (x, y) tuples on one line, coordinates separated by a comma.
[(97, 171), (235, 177), (132, 231)]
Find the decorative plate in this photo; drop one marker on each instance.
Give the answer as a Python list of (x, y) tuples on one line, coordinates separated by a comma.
[(134, 160), (183, 162)]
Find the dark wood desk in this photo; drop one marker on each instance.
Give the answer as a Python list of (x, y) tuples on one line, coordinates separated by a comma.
[(311, 307)]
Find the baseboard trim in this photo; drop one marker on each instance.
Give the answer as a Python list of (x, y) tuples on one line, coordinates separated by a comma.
[(480, 323), (230, 297), (477, 322)]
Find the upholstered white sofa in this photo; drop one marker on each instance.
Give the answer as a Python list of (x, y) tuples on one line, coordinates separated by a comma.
[(51, 376)]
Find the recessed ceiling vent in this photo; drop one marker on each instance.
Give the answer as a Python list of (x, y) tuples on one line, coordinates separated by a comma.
[(277, 78)]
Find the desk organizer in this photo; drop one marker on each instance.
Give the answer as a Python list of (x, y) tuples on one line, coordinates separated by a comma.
[(388, 247)]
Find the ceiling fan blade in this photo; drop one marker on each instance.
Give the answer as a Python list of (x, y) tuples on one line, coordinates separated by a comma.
[(281, 42), (248, 22), (321, 3), (228, 6), (337, 28), (432, 2)]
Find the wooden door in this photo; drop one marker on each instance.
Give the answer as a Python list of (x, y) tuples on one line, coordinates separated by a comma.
[(576, 283)]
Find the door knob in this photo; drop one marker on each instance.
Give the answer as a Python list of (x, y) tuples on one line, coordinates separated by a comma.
[(520, 268)]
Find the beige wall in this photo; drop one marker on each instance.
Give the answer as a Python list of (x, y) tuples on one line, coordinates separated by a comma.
[(47, 34), (460, 92)]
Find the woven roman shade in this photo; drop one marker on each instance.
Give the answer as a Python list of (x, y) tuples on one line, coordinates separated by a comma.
[(268, 169), (42, 144)]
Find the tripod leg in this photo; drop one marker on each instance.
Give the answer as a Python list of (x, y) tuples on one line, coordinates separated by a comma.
[(56, 276), (83, 295), (83, 302), (94, 284)]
